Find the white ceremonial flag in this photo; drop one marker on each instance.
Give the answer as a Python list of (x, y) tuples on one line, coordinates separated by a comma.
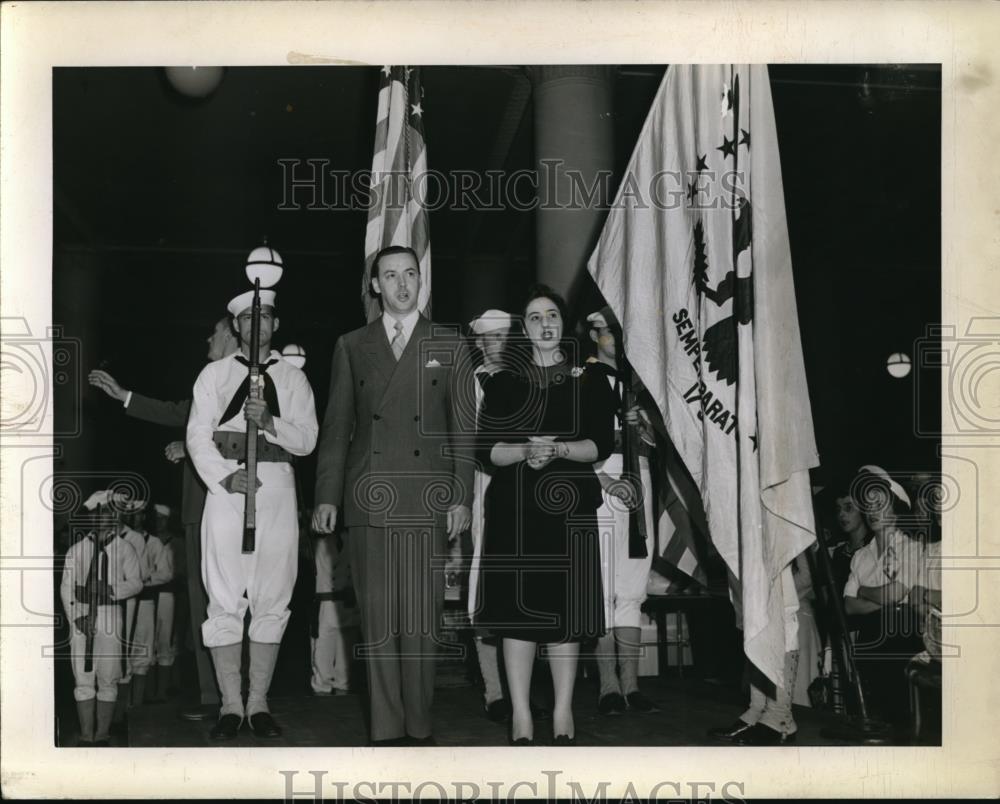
[(695, 262)]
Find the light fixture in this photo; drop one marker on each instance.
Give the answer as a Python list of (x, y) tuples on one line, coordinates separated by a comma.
[(898, 365), (264, 263), (194, 82)]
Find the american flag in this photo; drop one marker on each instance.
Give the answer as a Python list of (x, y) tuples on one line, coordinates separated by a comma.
[(396, 214)]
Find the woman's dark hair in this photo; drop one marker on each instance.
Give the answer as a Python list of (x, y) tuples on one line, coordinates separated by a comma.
[(519, 352)]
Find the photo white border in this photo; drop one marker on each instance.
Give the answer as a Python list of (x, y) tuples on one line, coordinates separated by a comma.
[(35, 37)]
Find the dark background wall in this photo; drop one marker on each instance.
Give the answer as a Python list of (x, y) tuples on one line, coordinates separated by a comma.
[(158, 200)]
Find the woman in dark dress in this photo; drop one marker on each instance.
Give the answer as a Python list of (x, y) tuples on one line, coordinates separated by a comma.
[(543, 426)]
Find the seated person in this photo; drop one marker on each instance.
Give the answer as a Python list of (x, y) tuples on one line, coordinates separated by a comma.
[(854, 533), (877, 594)]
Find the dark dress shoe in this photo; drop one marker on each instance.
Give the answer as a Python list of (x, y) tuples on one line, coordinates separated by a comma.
[(520, 741), (102, 743), (421, 742), (637, 702), (611, 704), (760, 734), (81, 743), (226, 728), (564, 739), (729, 732), (263, 725), (498, 711)]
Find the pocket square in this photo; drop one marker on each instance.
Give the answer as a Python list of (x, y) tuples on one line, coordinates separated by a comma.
[(432, 363)]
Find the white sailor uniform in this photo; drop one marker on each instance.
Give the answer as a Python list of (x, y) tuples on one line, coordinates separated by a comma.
[(216, 424), (624, 579), (153, 634), (130, 608), (118, 564)]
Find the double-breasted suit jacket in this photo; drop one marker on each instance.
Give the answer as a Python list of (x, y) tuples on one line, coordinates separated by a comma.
[(396, 442), (395, 455)]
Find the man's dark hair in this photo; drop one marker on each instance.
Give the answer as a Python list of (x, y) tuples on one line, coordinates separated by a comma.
[(387, 251)]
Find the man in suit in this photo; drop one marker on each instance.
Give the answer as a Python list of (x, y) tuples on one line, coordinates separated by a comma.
[(394, 468), (221, 343)]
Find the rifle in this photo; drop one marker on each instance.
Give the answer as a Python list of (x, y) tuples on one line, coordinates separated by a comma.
[(250, 511), (93, 600), (93, 592), (630, 465)]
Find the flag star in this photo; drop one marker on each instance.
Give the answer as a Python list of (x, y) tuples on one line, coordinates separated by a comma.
[(417, 109), (753, 438), (728, 146), (745, 140), (702, 164), (692, 192), (387, 70)]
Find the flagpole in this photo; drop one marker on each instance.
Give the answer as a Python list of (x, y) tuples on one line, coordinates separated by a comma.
[(863, 728)]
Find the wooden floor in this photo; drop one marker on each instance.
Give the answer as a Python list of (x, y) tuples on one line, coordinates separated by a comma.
[(688, 707)]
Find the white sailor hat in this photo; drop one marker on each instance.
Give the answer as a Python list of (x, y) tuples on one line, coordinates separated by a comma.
[(130, 506), (162, 510), (294, 354), (490, 321), (96, 499), (602, 319), (111, 499), (894, 487), (245, 300)]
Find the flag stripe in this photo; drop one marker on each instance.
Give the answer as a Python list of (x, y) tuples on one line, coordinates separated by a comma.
[(395, 215)]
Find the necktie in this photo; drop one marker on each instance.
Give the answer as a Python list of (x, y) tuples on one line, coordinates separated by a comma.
[(398, 342)]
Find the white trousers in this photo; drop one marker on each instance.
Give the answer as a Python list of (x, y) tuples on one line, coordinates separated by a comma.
[(262, 580), (102, 680), (481, 483), (331, 648), (624, 578), (154, 639)]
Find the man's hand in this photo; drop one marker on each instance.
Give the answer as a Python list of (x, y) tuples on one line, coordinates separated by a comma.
[(108, 384), (324, 518), (175, 451), (255, 410), (637, 417), (83, 624), (624, 489), (459, 519), (236, 483)]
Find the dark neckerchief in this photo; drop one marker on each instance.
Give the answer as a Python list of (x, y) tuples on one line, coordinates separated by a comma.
[(243, 392)]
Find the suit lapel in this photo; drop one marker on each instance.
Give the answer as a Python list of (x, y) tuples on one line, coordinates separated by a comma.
[(376, 349), (406, 368)]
